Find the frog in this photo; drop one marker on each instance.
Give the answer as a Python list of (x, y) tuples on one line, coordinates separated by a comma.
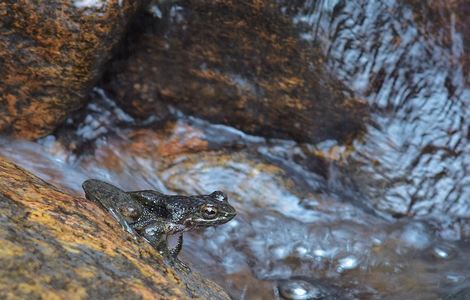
[(156, 216)]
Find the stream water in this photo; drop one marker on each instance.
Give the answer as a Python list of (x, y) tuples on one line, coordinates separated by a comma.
[(387, 218)]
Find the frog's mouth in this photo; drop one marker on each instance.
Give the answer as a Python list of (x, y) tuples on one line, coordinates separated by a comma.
[(201, 222)]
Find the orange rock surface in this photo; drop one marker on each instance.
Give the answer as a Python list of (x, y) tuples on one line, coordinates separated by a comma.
[(56, 246), (51, 53)]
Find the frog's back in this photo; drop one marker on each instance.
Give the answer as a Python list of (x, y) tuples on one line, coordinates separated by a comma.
[(94, 188)]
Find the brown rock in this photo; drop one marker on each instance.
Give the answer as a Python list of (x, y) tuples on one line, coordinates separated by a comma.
[(53, 245), (240, 63), (51, 54)]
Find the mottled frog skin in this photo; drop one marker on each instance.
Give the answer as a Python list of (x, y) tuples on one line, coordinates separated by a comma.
[(154, 215)]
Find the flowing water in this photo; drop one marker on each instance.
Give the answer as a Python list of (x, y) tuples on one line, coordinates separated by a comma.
[(387, 218)]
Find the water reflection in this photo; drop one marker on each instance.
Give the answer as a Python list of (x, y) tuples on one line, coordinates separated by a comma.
[(304, 289)]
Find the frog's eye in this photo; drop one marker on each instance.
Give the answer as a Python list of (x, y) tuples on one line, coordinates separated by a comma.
[(218, 195), (209, 212)]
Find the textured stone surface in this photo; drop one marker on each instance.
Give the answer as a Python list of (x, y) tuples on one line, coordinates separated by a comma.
[(51, 53), (53, 245), (447, 22), (240, 63)]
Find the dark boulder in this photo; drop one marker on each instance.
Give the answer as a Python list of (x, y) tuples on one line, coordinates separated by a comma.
[(241, 63)]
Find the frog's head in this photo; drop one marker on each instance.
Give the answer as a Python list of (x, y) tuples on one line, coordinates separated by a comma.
[(210, 210)]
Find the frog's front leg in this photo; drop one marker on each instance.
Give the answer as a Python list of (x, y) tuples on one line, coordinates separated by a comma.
[(156, 231), (173, 255), (179, 245)]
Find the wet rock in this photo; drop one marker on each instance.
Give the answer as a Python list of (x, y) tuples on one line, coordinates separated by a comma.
[(53, 245), (240, 63), (414, 162), (50, 55)]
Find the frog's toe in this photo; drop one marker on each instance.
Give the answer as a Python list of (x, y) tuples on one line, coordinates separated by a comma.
[(180, 266)]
